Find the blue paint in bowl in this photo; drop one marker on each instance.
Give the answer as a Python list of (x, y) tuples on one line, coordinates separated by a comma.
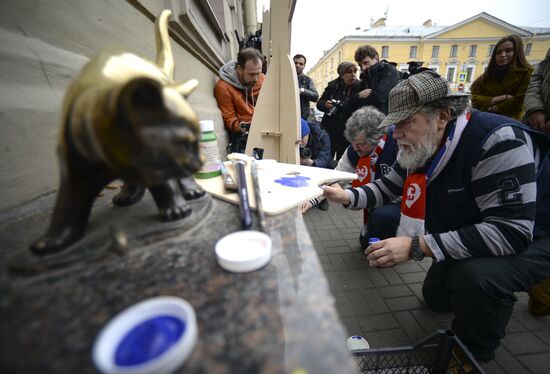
[(148, 340)]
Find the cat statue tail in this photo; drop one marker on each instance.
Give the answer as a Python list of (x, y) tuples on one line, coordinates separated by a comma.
[(165, 59)]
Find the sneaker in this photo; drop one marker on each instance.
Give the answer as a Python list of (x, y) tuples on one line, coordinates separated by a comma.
[(539, 299), (323, 205)]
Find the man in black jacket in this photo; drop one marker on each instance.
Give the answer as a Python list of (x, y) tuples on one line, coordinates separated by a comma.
[(377, 79), (307, 88)]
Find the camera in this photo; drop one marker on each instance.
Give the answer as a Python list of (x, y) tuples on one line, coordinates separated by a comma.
[(305, 152), (237, 142), (337, 104)]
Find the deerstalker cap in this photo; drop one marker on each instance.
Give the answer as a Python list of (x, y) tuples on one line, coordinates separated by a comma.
[(411, 94)]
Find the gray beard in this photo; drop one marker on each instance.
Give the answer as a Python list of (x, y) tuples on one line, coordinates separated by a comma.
[(417, 155)]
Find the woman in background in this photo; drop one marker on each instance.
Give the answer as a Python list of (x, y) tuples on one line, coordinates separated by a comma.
[(335, 102), (501, 88)]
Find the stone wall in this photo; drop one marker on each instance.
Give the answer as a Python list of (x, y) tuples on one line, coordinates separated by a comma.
[(44, 45)]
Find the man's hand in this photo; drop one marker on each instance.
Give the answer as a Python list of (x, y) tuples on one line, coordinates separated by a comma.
[(329, 104), (306, 161), (365, 93), (387, 253), (537, 120), (305, 207), (336, 193)]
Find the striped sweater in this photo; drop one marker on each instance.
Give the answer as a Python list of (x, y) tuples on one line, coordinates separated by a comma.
[(487, 209)]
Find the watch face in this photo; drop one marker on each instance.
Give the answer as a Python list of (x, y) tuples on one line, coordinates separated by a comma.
[(417, 254), (416, 251)]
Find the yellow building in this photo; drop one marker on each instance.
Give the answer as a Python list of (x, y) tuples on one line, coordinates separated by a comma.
[(460, 52)]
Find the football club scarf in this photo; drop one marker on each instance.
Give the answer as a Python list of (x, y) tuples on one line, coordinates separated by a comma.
[(413, 202), (365, 170)]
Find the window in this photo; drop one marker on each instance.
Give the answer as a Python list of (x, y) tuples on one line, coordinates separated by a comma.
[(528, 49), (454, 49), (339, 56), (435, 51), (434, 67), (473, 50), (490, 51), (332, 63), (385, 51), (451, 72), (469, 73), (412, 53)]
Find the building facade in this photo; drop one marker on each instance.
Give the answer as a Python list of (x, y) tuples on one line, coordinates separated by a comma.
[(460, 52)]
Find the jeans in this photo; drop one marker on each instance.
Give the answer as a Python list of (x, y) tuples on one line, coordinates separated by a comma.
[(480, 291), (382, 223)]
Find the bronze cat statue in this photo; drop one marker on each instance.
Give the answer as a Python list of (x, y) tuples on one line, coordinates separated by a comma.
[(124, 117)]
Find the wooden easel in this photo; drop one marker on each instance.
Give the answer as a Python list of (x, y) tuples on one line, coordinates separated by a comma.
[(275, 126)]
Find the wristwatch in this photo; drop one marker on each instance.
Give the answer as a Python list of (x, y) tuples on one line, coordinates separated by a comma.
[(416, 252)]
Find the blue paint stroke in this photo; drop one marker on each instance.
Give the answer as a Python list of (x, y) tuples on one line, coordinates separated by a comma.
[(293, 181)]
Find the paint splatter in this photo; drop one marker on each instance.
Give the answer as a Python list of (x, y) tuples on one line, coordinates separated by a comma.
[(294, 181)]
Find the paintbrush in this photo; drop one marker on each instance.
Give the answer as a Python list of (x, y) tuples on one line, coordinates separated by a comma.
[(239, 161), (259, 206), (228, 182)]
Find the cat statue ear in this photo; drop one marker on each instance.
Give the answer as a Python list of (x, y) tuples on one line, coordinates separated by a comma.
[(188, 87)]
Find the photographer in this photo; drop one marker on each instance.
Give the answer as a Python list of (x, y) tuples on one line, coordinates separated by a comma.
[(315, 146), (237, 92), (335, 103)]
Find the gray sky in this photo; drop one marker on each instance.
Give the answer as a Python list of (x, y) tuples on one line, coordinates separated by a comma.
[(318, 24)]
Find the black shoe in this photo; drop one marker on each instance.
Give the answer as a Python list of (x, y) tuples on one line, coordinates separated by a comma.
[(323, 205)]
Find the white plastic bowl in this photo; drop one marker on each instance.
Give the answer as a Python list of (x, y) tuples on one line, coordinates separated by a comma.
[(108, 340), (357, 343), (243, 251)]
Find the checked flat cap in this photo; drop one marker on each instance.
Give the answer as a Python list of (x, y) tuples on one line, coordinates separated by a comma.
[(411, 94)]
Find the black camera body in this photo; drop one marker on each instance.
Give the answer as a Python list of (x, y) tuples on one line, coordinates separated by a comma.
[(237, 141), (305, 152), (337, 104)]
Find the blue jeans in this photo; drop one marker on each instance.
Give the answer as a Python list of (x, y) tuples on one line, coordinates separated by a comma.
[(382, 224)]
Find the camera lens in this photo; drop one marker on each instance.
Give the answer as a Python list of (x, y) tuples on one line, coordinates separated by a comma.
[(305, 152)]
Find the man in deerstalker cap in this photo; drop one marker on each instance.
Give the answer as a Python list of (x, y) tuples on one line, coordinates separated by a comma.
[(475, 197)]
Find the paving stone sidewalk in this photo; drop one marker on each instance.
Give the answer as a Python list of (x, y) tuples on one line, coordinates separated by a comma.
[(386, 305)]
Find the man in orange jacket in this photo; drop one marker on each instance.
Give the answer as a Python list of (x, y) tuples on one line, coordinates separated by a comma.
[(237, 91)]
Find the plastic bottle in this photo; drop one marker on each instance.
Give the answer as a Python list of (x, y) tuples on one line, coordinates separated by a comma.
[(373, 240), (208, 146)]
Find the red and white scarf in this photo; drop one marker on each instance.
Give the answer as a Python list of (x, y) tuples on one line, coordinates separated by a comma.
[(366, 168), (413, 203)]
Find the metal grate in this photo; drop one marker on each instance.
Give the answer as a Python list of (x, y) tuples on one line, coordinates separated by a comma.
[(441, 352)]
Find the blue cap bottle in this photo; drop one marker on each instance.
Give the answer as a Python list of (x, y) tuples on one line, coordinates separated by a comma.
[(373, 240)]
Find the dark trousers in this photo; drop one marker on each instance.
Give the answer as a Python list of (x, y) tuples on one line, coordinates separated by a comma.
[(480, 291), (338, 145), (382, 223)]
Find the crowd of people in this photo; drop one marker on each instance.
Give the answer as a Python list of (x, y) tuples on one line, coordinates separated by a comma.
[(464, 180)]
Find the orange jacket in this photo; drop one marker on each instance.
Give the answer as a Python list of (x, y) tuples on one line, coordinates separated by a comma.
[(234, 100)]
